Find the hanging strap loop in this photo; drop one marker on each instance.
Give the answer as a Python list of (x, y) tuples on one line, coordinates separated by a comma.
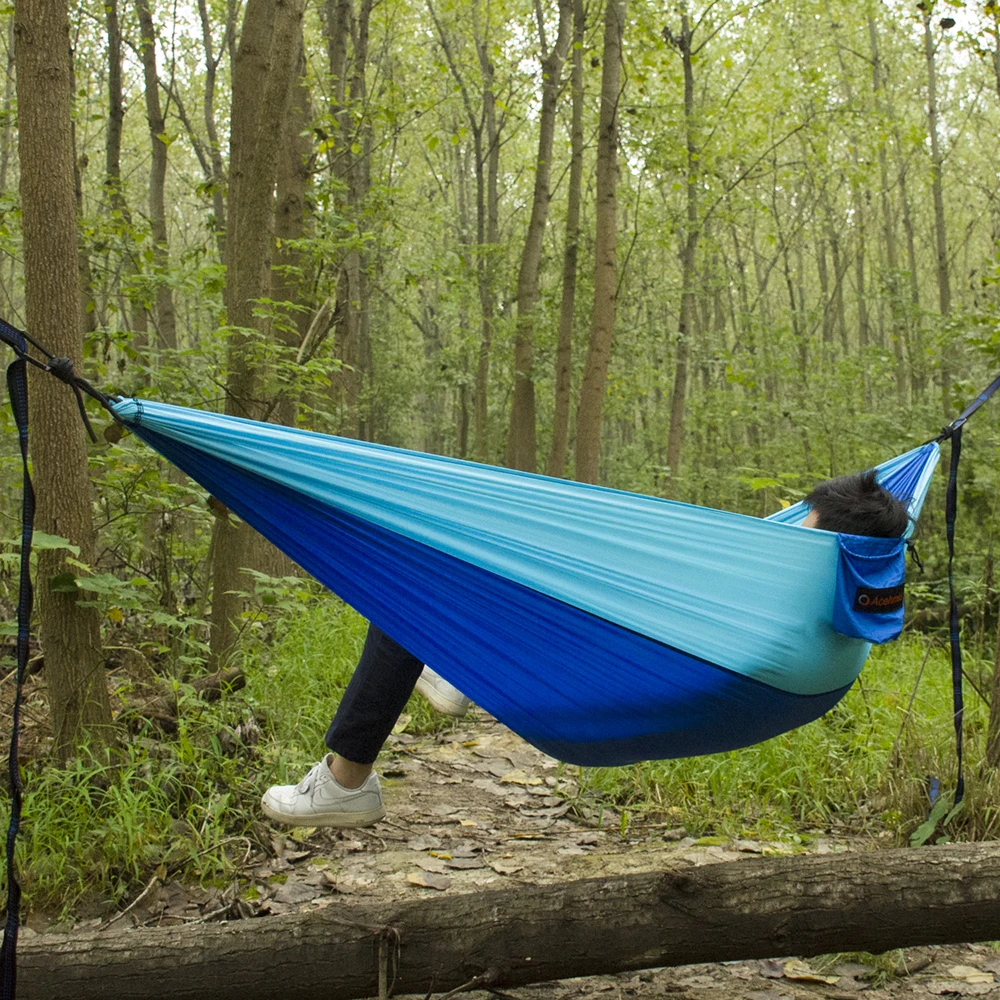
[(17, 385), (951, 512)]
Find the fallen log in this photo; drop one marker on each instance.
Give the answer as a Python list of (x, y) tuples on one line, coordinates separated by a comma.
[(757, 908)]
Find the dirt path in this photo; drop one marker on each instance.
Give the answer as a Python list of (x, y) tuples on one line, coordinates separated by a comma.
[(476, 806)]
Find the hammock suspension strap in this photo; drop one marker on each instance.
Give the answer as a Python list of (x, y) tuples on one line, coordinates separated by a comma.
[(17, 385)]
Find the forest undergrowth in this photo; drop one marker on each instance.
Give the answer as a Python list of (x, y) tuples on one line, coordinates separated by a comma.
[(185, 804)]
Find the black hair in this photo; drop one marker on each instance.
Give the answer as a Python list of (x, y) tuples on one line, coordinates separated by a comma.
[(858, 505)]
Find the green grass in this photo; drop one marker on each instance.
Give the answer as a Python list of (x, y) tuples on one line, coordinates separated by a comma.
[(96, 832)]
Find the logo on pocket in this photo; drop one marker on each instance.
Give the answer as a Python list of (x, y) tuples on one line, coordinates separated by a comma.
[(878, 600)]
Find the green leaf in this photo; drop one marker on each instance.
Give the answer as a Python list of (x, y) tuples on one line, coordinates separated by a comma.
[(925, 831), (64, 583), (43, 540)]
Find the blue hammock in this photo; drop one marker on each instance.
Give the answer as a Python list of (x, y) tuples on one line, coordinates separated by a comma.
[(603, 627)]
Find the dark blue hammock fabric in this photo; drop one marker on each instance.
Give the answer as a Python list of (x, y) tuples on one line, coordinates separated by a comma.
[(603, 627)]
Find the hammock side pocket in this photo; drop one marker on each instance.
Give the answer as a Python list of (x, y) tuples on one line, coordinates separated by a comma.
[(869, 599)]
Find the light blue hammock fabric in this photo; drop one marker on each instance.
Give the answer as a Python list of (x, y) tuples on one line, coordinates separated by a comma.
[(603, 627)]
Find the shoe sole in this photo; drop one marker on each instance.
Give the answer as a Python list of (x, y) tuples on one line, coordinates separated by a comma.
[(340, 820), (442, 704)]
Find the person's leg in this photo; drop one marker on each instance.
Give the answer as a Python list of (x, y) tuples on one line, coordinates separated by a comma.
[(342, 790), (378, 691)]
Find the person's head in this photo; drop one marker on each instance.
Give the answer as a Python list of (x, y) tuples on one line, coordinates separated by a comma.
[(856, 505)]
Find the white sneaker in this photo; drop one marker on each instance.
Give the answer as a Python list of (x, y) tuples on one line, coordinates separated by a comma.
[(443, 696), (320, 800)]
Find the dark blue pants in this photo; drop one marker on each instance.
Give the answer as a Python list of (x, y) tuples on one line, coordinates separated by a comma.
[(382, 684)]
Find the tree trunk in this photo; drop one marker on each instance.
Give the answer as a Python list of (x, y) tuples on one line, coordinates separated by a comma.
[(889, 228), (217, 174), (113, 179), (166, 318), (290, 279), (261, 86), (940, 232), (595, 371), (522, 446), (352, 166), (70, 634), (689, 248), (489, 227), (564, 345), (758, 908)]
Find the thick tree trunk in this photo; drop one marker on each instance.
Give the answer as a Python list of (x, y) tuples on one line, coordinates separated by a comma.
[(595, 372), (290, 279), (564, 345), (261, 88), (522, 447), (759, 908), (166, 317), (70, 634)]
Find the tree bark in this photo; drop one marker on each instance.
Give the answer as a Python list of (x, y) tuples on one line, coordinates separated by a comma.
[(261, 88), (893, 284), (522, 445), (289, 278), (113, 179), (70, 634), (758, 908), (351, 335), (567, 307), (689, 248), (216, 175), (166, 317), (595, 371), (940, 232)]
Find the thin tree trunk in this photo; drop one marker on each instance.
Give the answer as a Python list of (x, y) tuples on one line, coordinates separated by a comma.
[(113, 178), (70, 632), (689, 248), (166, 318), (217, 175), (595, 371), (940, 232), (564, 346), (889, 228), (289, 277), (522, 446), (918, 378), (490, 238)]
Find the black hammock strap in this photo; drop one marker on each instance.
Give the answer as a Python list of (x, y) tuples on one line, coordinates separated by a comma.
[(953, 432), (17, 386), (62, 368)]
